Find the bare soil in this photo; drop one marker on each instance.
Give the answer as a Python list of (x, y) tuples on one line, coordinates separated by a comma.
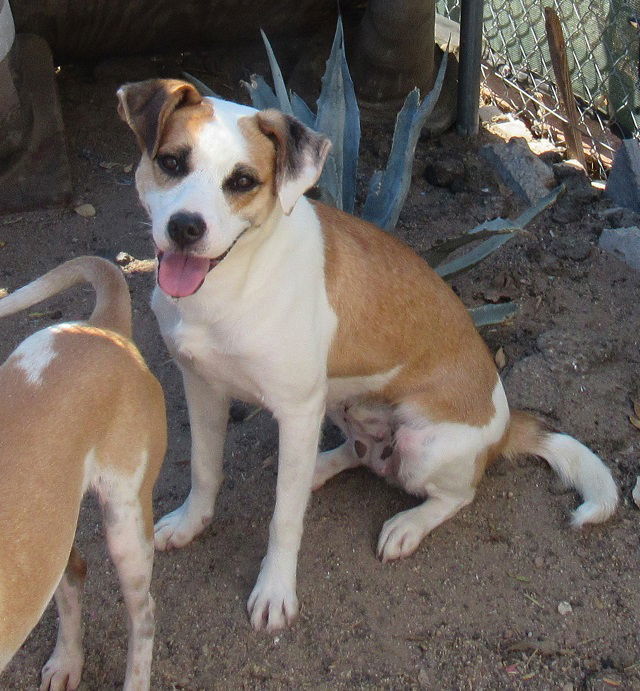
[(477, 605)]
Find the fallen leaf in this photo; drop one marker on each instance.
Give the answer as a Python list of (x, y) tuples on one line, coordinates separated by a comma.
[(522, 579), (530, 675), (128, 168), (3, 292), (108, 165), (50, 314), (500, 358), (512, 669), (611, 682), (2, 243), (545, 647), (86, 210), (535, 602), (634, 421)]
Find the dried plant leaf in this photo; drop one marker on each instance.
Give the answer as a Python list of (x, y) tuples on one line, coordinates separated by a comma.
[(634, 421), (501, 362), (636, 408)]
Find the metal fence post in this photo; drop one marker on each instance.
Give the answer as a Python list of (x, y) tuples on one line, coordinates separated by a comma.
[(471, 16)]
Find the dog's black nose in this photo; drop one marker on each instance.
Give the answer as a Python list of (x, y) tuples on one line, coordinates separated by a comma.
[(185, 228)]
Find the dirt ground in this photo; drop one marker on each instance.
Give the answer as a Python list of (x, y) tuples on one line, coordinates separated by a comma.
[(477, 606)]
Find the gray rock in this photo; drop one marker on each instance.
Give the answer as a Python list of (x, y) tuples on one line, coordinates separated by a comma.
[(520, 169), (624, 243)]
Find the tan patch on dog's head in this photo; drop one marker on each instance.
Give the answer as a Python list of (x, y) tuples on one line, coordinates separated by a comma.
[(257, 203), (295, 153), (146, 107)]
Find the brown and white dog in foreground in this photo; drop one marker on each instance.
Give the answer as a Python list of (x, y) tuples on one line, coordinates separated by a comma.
[(80, 411), (266, 296)]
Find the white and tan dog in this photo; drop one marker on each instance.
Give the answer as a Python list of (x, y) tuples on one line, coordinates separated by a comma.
[(80, 411), (266, 296)]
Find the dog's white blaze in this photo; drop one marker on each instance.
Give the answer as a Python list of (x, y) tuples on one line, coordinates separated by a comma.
[(34, 355), (443, 454), (220, 146)]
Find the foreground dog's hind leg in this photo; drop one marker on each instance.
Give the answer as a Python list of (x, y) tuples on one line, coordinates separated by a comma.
[(131, 549), (64, 668), (401, 535), (273, 603), (208, 416)]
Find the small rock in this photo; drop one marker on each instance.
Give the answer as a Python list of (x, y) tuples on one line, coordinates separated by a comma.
[(86, 210), (444, 172), (539, 562), (500, 358), (124, 258), (624, 243), (564, 608), (623, 183), (636, 492), (568, 169), (520, 169)]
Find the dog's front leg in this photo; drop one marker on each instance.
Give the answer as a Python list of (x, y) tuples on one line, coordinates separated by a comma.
[(208, 416), (273, 604)]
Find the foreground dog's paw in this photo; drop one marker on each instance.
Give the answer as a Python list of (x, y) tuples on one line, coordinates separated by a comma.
[(272, 605), (399, 537), (179, 527), (61, 673)]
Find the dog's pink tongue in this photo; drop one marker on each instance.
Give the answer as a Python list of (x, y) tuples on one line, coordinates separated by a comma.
[(180, 275)]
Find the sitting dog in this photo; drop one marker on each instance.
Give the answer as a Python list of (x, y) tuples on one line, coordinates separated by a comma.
[(81, 411), (266, 296)]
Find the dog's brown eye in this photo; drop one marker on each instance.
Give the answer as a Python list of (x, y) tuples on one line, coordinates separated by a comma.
[(240, 182), (170, 164)]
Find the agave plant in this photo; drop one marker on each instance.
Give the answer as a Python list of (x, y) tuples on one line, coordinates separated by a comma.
[(338, 117)]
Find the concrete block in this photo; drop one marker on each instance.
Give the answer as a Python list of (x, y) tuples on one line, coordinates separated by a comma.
[(520, 169), (623, 183), (624, 243)]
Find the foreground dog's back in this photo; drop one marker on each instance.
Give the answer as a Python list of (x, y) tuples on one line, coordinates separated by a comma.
[(81, 410)]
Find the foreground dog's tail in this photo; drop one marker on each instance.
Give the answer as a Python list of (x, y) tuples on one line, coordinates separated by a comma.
[(113, 304), (577, 466)]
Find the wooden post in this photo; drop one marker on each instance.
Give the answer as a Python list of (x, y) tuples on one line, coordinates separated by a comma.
[(558, 50)]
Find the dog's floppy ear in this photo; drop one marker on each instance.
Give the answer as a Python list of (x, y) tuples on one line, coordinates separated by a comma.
[(146, 106), (300, 155)]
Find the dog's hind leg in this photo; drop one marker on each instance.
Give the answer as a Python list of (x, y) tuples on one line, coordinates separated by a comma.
[(64, 668), (438, 461), (128, 528), (208, 416)]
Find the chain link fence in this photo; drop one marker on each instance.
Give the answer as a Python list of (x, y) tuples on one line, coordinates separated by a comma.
[(602, 38)]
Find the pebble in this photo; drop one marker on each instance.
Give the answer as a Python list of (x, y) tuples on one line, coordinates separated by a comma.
[(86, 210), (564, 608), (539, 562)]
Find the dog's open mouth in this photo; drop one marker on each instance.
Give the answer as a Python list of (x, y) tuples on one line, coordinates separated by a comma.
[(180, 274)]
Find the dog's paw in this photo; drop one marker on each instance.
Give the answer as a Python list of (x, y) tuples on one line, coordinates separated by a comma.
[(399, 537), (62, 672), (273, 604), (179, 527)]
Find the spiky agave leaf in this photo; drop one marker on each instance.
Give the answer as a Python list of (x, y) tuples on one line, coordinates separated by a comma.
[(278, 81), (493, 314), (302, 111), (339, 118), (261, 94), (201, 86), (388, 191), (498, 231)]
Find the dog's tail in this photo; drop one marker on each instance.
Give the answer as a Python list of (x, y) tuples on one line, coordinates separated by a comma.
[(113, 304), (577, 466)]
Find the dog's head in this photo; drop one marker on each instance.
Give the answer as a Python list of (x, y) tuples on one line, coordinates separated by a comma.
[(211, 170)]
